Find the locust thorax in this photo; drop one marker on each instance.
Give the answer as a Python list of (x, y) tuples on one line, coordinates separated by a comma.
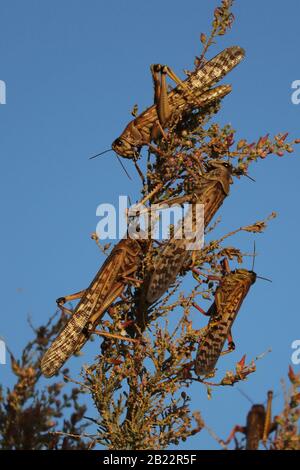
[(218, 171)]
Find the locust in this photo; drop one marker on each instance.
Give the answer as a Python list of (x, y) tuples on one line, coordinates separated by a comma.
[(229, 296), (212, 188), (258, 426), (193, 93), (108, 284)]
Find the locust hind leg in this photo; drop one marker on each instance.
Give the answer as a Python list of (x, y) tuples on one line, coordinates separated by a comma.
[(62, 300), (237, 428), (269, 426), (161, 102), (231, 345), (164, 111), (115, 292)]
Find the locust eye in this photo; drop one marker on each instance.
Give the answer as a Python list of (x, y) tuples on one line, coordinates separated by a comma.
[(226, 164), (118, 142)]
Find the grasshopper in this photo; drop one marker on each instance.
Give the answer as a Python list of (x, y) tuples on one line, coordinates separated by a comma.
[(211, 190), (108, 284), (258, 426), (229, 296), (193, 93)]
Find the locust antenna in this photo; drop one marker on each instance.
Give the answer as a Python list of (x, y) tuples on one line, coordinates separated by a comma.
[(140, 173), (254, 254), (242, 173), (250, 177), (264, 278), (101, 153), (109, 150), (245, 395), (121, 163)]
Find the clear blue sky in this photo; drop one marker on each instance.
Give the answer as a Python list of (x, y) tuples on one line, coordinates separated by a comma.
[(73, 72)]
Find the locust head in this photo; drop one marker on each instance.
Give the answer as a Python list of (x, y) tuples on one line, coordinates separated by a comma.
[(244, 274), (258, 409), (125, 149), (221, 165), (221, 171)]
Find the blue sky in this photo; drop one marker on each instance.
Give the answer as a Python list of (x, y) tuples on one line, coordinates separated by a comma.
[(73, 72)]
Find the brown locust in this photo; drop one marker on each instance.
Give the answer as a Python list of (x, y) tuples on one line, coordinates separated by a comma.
[(212, 188), (108, 284), (229, 296), (193, 93)]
